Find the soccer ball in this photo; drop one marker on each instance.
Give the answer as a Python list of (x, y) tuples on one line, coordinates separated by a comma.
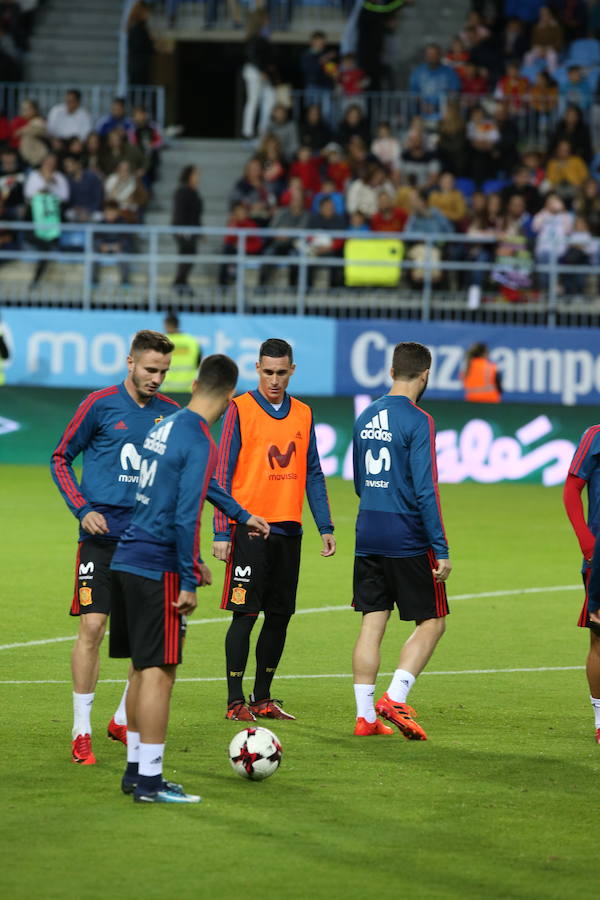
[(255, 753)]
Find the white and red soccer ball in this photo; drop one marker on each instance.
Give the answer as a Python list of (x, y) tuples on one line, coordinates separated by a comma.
[(255, 753)]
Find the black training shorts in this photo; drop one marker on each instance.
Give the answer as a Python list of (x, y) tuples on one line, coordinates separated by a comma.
[(93, 582), (382, 582), (261, 574), (584, 620), (144, 625)]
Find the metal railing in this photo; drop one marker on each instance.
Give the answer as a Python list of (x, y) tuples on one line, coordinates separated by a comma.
[(284, 15), (153, 263), (399, 107), (95, 98)]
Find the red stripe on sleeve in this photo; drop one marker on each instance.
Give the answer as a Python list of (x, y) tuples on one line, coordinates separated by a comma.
[(208, 473), (582, 450), (60, 465), (434, 471)]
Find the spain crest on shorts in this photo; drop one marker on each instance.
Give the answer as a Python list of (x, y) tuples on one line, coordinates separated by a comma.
[(238, 596), (85, 596)]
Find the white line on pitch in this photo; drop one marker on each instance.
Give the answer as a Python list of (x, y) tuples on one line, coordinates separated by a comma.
[(342, 675), (322, 609)]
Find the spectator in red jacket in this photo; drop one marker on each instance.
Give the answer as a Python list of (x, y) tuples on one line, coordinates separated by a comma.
[(388, 217), (336, 168), (306, 167), (239, 218)]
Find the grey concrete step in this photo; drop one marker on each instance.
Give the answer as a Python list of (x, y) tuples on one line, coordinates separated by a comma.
[(88, 43)]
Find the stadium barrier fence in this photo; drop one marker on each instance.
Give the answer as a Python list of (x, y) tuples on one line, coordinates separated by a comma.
[(152, 254), (399, 107), (96, 98)]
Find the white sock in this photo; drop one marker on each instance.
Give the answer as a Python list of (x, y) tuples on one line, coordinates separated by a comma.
[(364, 694), (400, 685), (82, 710), (596, 704), (120, 716), (133, 746), (151, 759)]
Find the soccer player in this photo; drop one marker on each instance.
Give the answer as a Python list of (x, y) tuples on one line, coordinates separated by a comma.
[(402, 555), (585, 470), (157, 568), (108, 429), (267, 459)]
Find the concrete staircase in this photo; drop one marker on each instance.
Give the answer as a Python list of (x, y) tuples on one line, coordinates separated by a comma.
[(221, 163), (75, 43)]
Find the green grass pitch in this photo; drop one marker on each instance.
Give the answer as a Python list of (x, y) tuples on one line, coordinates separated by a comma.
[(500, 802)]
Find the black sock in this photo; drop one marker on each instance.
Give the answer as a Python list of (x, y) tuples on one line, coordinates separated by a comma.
[(148, 784), (132, 770), (237, 647), (269, 648)]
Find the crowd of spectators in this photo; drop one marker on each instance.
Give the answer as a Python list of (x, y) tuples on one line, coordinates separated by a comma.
[(496, 143), (63, 167)]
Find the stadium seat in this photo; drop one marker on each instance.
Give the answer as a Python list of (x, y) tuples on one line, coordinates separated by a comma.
[(494, 185), (465, 185), (584, 52)]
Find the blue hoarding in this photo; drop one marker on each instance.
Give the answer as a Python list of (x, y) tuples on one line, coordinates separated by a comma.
[(558, 365), (72, 348)]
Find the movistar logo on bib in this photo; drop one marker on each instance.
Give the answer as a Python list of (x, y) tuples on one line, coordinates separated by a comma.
[(377, 428)]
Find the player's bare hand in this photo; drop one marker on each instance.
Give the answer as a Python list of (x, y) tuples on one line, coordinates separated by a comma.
[(221, 550), (94, 523), (186, 602), (258, 527), (329, 546), (442, 570), (205, 575), (595, 616)]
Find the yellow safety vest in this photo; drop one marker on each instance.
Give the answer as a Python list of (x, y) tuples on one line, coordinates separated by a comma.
[(184, 364)]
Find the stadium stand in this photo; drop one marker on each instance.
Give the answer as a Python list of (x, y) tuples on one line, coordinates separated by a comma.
[(481, 160)]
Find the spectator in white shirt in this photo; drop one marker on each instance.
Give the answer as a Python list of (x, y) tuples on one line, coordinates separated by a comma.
[(69, 119), (47, 178)]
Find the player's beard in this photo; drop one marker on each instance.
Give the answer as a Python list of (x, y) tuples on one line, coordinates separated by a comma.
[(423, 389), (141, 389)]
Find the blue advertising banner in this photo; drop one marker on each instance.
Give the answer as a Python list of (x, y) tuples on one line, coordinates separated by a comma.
[(72, 348), (558, 365)]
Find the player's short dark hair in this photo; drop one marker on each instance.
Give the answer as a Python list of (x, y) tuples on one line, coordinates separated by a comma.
[(151, 340), (410, 360), (276, 348), (172, 320), (217, 374)]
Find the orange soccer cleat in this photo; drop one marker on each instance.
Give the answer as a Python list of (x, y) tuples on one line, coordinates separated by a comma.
[(269, 709), (402, 716), (240, 712), (82, 752), (117, 732), (365, 729)]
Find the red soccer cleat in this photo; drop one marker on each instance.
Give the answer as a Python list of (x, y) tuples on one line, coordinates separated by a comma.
[(269, 709), (402, 716), (365, 729), (82, 752), (240, 712), (117, 732), (598, 735)]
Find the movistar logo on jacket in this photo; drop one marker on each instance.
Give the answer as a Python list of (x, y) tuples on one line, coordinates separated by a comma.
[(377, 428)]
